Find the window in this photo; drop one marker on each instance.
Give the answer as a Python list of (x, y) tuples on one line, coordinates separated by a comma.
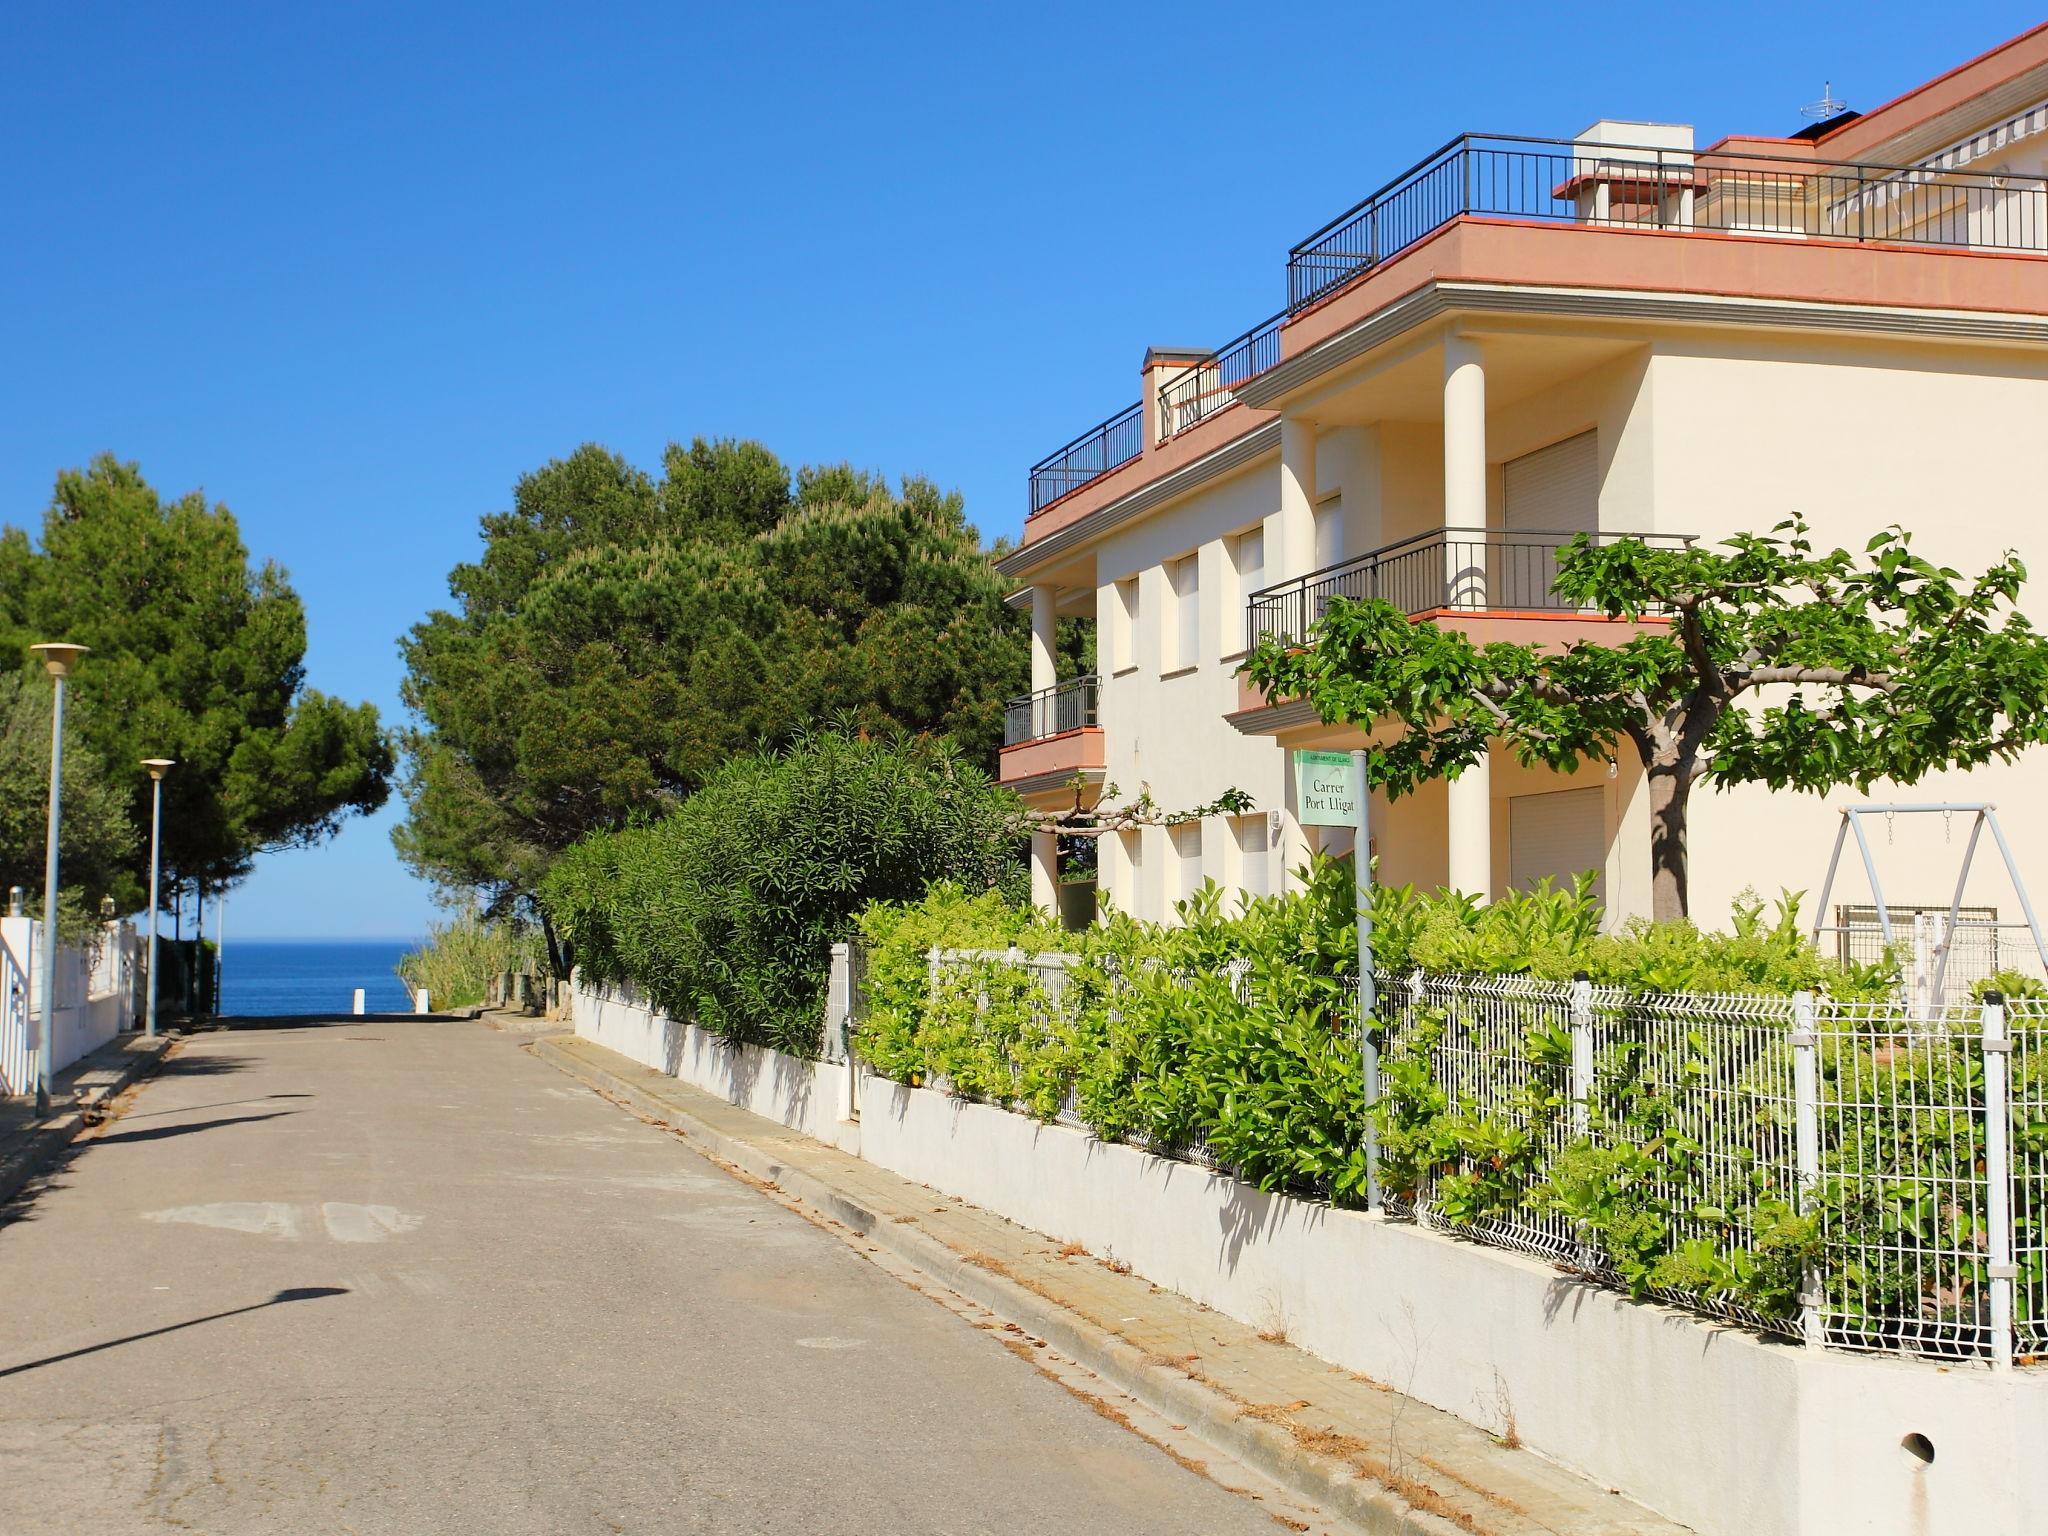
[(1552, 494), (1254, 854), (1329, 531), (1132, 842), (1187, 849), (1248, 555), (1186, 578), (1557, 836), (1124, 626)]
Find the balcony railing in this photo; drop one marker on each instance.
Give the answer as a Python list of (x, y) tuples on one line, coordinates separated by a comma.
[(1066, 706), (1628, 186), (1205, 387), (1466, 569), (1093, 454)]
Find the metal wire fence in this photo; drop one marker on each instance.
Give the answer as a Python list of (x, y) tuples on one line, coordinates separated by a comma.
[(1864, 1175)]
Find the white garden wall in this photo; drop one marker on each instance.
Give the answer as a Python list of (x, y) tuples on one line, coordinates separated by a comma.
[(96, 998), (806, 1096), (1716, 1428)]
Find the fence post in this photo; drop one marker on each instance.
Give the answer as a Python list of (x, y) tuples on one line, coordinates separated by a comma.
[(1998, 1267), (1582, 1054), (1806, 1149)]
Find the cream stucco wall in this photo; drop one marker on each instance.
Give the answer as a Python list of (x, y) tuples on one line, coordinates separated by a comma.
[(1949, 442)]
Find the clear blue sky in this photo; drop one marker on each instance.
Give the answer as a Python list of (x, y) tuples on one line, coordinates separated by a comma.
[(352, 269)]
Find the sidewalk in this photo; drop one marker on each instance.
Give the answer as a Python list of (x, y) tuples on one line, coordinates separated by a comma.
[(83, 1089), (1358, 1448)]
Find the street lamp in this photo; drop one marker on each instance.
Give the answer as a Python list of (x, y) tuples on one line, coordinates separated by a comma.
[(58, 660), (158, 767)]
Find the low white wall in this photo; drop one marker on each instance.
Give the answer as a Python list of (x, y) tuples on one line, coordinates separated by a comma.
[(94, 998), (804, 1095), (1716, 1428)]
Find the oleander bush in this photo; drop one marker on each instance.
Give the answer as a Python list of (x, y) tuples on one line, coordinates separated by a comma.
[(723, 912)]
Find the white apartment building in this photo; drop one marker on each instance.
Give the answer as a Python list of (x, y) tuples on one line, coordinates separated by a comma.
[(1518, 340)]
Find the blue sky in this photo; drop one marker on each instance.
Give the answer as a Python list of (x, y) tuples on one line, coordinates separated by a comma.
[(352, 269)]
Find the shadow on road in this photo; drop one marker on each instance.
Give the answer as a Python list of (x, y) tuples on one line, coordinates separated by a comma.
[(163, 1132), (232, 1021), (193, 1109), (297, 1293)]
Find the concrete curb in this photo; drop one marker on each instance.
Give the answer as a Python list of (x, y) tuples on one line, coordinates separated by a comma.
[(1264, 1447), (33, 1149)]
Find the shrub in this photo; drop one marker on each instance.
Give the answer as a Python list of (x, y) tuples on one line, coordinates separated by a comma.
[(460, 956), (723, 912)]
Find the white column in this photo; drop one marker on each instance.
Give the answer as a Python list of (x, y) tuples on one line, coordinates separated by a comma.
[(1297, 552), (1470, 865), (1465, 470), (1045, 871), (1044, 638)]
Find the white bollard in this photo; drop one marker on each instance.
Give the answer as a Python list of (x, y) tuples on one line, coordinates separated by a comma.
[(359, 999), (420, 1002)]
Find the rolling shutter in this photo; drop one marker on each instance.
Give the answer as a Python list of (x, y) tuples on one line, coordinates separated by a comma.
[(1557, 836), (1552, 493)]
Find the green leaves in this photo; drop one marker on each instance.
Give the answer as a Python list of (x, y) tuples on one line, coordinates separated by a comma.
[(198, 656), (1767, 663), (723, 911), (620, 640)]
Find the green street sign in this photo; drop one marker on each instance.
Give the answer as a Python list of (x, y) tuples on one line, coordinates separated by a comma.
[(1325, 794)]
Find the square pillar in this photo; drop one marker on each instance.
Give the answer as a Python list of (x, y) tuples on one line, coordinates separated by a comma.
[(1464, 474)]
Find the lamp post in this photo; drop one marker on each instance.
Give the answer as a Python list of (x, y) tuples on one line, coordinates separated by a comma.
[(158, 767), (58, 660)]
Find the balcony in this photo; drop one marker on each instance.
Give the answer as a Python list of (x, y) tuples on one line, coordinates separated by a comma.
[(1675, 190), (1669, 189), (1478, 571), (1051, 736), (1093, 454)]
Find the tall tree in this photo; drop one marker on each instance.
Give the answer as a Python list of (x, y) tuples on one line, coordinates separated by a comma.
[(197, 656), (1763, 661), (98, 841), (619, 640)]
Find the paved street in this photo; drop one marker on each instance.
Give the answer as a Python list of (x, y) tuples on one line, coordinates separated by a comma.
[(403, 1278)]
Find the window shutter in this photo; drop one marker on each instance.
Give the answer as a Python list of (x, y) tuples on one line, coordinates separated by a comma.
[(1557, 836)]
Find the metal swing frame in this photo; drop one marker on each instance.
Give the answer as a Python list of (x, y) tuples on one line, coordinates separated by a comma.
[(1984, 815)]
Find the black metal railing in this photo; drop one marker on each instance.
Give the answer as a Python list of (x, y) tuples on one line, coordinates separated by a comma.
[(1468, 569), (1088, 457), (1205, 387), (1066, 706), (1651, 187)]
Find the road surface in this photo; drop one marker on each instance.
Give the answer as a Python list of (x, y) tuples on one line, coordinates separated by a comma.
[(400, 1277)]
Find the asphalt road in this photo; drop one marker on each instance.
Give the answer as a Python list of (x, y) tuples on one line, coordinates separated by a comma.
[(403, 1278)]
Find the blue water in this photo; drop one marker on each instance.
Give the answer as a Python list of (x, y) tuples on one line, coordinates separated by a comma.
[(261, 976)]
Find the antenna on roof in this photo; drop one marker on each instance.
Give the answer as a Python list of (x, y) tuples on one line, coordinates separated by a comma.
[(1827, 107)]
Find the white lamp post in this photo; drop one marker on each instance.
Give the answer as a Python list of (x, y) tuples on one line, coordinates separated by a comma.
[(158, 767), (58, 659)]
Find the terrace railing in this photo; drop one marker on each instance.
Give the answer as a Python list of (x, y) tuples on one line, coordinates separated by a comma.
[(1205, 387), (1474, 569), (1066, 706), (1093, 454), (1568, 181)]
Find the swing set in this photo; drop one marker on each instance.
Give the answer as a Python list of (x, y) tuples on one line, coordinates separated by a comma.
[(1983, 815)]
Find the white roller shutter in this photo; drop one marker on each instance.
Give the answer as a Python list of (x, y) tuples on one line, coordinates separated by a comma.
[(1555, 489), (1557, 836)]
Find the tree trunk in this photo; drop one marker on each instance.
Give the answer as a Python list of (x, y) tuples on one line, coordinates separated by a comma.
[(1670, 791), (557, 962)]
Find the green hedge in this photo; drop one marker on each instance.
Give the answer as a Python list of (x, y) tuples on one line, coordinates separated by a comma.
[(1155, 1045), (723, 912)]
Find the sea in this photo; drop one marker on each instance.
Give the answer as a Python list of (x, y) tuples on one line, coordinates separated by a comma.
[(311, 976)]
